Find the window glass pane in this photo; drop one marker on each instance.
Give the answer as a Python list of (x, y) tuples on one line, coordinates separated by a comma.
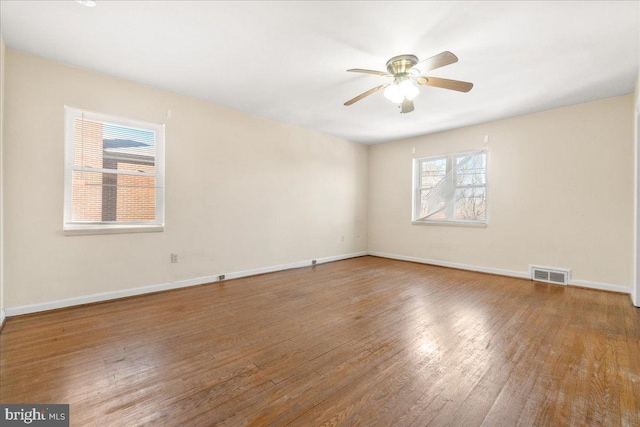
[(87, 143), (87, 196), (136, 198), (99, 197), (432, 205), (464, 179), (114, 172), (432, 172), (471, 170), (470, 204), (472, 161), (452, 194), (103, 145), (131, 165)]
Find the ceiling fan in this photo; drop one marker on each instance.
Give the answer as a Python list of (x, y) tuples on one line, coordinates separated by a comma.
[(405, 70)]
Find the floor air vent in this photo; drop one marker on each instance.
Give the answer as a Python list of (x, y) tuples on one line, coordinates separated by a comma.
[(559, 276)]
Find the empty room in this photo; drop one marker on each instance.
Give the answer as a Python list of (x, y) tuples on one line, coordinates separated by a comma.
[(319, 213)]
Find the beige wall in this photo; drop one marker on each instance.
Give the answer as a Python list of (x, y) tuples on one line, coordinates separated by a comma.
[(636, 93), (560, 194), (635, 293), (242, 192), (2, 56)]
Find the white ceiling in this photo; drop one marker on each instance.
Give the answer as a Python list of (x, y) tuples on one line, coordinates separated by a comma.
[(287, 60)]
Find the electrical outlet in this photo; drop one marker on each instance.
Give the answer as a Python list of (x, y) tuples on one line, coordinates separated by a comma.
[(174, 258)]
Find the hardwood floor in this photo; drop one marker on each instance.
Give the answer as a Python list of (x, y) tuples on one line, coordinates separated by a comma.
[(366, 341)]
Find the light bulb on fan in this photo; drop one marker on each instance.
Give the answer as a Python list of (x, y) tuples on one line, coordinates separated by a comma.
[(397, 92), (408, 90), (394, 94)]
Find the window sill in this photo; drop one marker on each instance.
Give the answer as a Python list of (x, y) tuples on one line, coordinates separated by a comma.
[(451, 224), (84, 230)]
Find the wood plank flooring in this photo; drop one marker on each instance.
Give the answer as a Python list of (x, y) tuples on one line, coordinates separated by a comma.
[(366, 341)]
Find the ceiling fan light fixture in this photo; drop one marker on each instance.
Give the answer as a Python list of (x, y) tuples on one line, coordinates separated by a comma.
[(394, 93), (402, 69), (408, 90)]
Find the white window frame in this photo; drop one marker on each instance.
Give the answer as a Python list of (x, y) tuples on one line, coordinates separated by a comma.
[(450, 221), (71, 227)]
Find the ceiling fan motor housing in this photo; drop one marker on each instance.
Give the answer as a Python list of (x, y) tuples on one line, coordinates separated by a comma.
[(401, 64)]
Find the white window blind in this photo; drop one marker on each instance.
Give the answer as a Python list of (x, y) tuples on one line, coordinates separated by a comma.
[(451, 188), (114, 173)]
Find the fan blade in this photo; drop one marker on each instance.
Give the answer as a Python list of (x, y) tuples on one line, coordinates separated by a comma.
[(365, 94), (440, 60), (378, 73), (458, 85), (407, 106)]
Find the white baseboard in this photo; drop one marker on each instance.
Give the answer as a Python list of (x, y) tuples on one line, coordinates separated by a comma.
[(299, 264), (600, 286), (2, 317), (106, 296), (511, 273)]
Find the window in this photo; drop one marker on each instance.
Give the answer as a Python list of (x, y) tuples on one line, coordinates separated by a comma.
[(451, 189), (114, 174)]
